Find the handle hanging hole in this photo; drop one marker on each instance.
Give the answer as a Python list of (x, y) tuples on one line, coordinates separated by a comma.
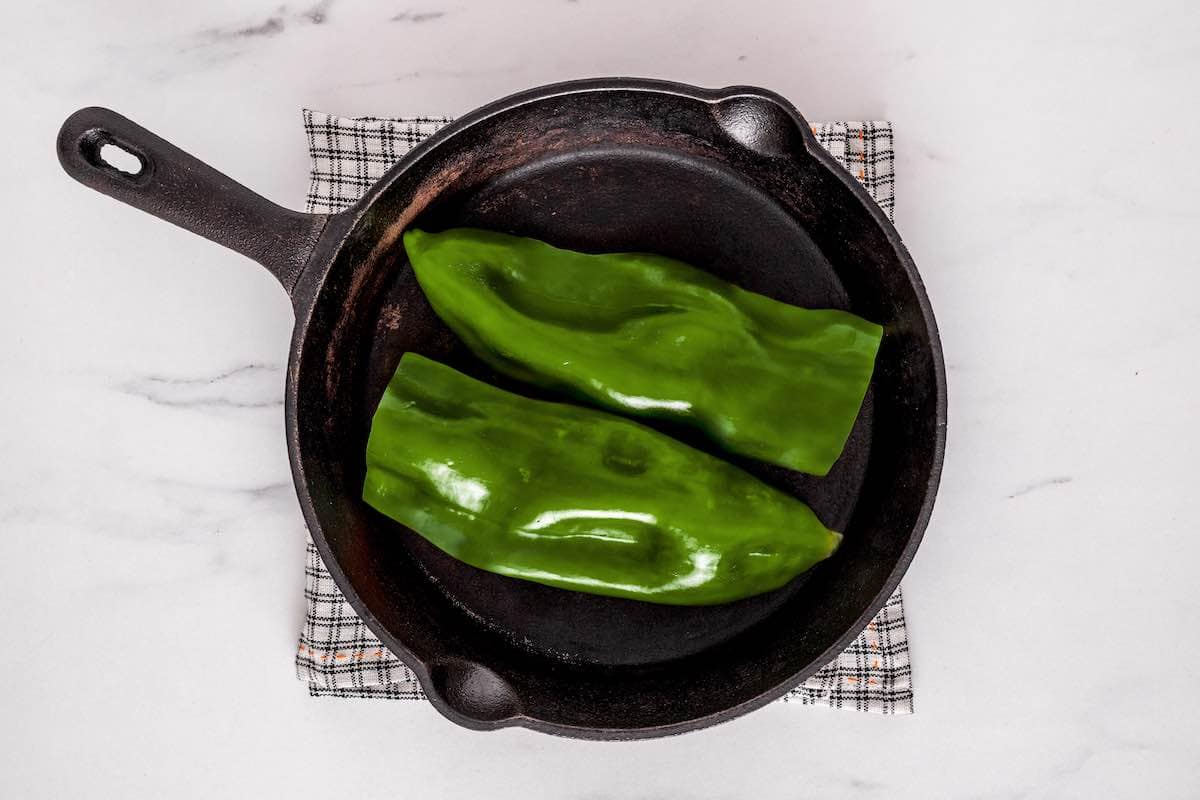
[(121, 159)]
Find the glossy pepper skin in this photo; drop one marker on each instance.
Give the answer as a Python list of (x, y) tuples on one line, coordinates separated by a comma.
[(645, 335), (577, 498)]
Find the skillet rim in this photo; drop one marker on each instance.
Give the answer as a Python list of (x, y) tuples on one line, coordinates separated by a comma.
[(311, 284)]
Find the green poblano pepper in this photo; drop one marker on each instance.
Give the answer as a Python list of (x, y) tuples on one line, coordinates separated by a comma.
[(649, 336), (577, 498)]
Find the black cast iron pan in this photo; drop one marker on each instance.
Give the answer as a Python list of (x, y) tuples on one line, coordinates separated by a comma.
[(730, 180)]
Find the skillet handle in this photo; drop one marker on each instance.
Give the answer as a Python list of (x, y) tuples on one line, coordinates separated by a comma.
[(176, 187)]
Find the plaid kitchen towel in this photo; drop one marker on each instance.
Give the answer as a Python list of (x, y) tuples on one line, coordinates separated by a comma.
[(340, 657)]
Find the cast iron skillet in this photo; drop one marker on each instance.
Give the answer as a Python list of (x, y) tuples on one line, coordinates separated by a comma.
[(730, 180)]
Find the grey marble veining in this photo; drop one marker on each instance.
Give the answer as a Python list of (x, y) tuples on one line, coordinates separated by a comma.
[(247, 386), (273, 25), (1044, 483)]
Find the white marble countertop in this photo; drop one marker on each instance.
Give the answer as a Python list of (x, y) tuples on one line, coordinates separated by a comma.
[(151, 552)]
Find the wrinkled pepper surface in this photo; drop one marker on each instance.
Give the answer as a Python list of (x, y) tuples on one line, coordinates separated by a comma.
[(577, 498), (649, 336)]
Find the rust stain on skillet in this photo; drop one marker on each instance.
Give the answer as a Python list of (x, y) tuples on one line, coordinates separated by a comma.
[(390, 317), (367, 273)]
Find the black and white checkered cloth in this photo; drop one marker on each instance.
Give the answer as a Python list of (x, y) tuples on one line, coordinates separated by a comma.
[(340, 657)]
